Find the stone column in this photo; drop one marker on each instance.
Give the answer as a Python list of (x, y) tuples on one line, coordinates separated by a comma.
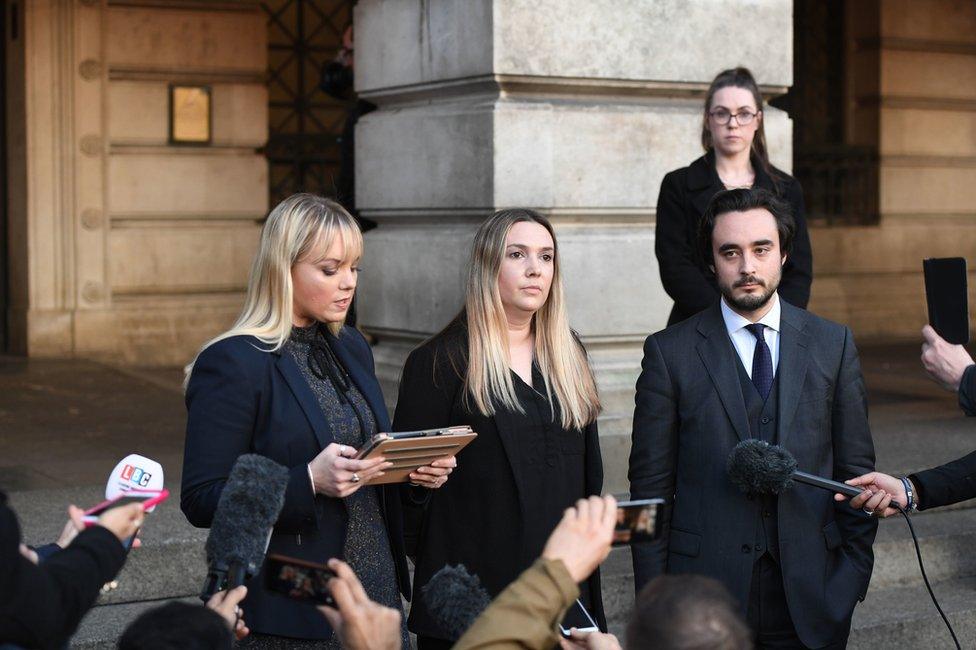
[(576, 108)]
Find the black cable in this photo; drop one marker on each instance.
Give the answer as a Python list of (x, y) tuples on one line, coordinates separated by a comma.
[(918, 554)]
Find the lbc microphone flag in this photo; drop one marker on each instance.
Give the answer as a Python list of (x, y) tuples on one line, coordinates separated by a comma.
[(134, 472)]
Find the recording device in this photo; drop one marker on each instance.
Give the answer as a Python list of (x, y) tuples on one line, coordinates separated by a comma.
[(149, 500), (577, 617), (454, 599), (947, 297), (134, 473), (298, 579), (638, 521), (757, 467), (246, 513)]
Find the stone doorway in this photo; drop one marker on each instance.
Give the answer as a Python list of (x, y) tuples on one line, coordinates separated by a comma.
[(304, 123), (835, 145)]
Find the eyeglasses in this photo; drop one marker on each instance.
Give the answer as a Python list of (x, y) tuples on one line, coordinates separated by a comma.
[(724, 117)]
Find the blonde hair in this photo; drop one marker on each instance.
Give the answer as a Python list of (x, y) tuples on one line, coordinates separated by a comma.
[(561, 357), (296, 227)]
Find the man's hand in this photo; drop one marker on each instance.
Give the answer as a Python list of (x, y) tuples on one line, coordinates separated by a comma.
[(582, 539), (227, 604), (879, 491), (360, 623), (944, 361), (589, 641)]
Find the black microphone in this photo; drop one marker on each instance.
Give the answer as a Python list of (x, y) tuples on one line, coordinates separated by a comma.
[(246, 512), (757, 467), (454, 599)]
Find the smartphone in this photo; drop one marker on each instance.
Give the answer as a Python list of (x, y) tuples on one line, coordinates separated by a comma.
[(298, 579), (577, 617), (148, 499), (638, 521)]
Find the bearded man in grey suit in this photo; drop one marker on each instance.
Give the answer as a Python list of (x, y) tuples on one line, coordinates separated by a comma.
[(753, 366)]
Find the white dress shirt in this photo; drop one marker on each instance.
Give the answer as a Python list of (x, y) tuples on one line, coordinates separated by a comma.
[(742, 339)]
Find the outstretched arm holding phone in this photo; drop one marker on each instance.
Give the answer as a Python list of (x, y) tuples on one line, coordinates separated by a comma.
[(526, 613), (41, 606)]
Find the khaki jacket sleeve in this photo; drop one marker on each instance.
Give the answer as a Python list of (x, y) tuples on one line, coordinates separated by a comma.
[(526, 613)]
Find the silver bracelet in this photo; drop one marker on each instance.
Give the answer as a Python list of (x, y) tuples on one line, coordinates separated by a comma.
[(910, 495)]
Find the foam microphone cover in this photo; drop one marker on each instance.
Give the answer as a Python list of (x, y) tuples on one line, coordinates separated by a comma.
[(757, 467), (454, 599), (246, 512)]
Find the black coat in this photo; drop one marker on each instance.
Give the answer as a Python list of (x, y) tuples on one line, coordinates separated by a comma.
[(955, 481), (475, 519), (242, 400), (690, 414), (684, 195), (41, 606)]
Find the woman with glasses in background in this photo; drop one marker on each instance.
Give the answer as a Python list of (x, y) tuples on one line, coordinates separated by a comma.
[(735, 156)]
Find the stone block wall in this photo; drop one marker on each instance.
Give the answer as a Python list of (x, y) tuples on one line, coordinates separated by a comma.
[(135, 249)]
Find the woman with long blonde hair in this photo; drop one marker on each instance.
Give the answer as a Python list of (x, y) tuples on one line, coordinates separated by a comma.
[(510, 367), (289, 381)]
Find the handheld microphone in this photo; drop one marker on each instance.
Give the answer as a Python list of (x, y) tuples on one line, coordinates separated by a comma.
[(757, 467), (246, 512), (454, 599), (134, 473)]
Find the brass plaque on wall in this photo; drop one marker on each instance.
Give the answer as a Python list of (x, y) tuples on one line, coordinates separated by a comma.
[(189, 114)]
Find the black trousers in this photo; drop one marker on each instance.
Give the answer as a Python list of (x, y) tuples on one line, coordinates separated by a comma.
[(768, 615)]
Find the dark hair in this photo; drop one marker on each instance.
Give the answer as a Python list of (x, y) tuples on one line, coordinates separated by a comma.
[(740, 78), (740, 200), (686, 612), (178, 626)]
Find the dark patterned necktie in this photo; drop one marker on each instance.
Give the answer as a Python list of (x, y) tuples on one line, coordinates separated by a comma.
[(762, 361)]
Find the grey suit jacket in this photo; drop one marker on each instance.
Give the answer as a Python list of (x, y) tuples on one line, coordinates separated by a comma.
[(689, 415)]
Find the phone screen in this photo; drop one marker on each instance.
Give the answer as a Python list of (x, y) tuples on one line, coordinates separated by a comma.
[(577, 617), (298, 579), (637, 521)]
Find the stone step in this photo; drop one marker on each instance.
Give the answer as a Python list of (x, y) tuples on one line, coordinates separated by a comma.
[(946, 539), (103, 625), (904, 617)]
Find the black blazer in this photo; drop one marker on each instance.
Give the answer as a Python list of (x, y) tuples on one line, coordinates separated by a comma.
[(475, 519), (955, 481), (690, 414), (241, 400), (684, 195)]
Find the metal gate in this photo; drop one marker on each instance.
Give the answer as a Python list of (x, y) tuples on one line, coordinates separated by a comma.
[(304, 123)]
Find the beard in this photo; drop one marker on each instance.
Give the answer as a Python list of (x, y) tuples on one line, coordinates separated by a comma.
[(749, 302)]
